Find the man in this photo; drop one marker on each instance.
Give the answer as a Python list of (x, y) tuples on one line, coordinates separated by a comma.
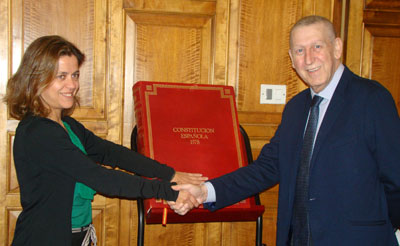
[(337, 162)]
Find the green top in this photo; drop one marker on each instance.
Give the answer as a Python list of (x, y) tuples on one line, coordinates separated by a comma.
[(83, 195)]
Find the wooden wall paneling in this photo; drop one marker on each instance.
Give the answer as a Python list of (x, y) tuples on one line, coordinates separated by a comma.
[(233, 45), (263, 59), (113, 24), (27, 24), (16, 34), (178, 234), (226, 48), (12, 215), (366, 55), (318, 7), (373, 42), (11, 177), (382, 4), (383, 27), (263, 51), (90, 38), (4, 134), (129, 78), (221, 38), (172, 47), (98, 214), (238, 233), (260, 127), (10, 201), (176, 6), (385, 64), (355, 37), (124, 38)]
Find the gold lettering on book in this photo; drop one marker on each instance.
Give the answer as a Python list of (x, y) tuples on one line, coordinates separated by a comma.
[(193, 134)]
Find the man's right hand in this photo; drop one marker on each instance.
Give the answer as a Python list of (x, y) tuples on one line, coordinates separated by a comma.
[(199, 192)]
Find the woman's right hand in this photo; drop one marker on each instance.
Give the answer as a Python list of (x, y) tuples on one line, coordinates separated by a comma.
[(188, 178)]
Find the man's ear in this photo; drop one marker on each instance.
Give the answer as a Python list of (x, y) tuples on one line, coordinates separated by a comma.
[(291, 57), (338, 48)]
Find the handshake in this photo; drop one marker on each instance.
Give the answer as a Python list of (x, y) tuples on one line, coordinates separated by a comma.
[(192, 192)]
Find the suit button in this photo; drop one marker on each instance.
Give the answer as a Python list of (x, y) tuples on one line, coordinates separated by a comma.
[(312, 199)]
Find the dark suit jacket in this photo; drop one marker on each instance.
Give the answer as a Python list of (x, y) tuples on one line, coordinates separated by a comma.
[(356, 159)]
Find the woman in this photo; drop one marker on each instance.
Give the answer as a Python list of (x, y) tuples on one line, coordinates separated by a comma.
[(56, 157)]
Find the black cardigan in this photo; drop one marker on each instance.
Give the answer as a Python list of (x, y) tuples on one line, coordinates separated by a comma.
[(48, 165)]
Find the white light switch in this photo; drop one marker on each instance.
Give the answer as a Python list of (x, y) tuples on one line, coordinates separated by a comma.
[(273, 94)]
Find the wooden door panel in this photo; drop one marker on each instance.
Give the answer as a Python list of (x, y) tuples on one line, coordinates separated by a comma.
[(374, 50), (12, 215), (172, 47), (12, 182), (65, 18), (382, 39), (264, 34), (383, 4), (385, 64)]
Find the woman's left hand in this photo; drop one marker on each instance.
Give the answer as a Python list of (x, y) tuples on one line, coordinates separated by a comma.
[(188, 178)]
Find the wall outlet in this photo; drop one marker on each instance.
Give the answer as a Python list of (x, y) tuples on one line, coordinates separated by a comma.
[(272, 94)]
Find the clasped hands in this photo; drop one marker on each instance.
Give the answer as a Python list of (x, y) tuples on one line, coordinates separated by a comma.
[(192, 192)]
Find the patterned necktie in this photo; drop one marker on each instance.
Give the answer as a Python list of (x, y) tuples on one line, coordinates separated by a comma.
[(301, 232)]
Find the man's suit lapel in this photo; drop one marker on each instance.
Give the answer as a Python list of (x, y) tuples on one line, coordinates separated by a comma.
[(335, 107)]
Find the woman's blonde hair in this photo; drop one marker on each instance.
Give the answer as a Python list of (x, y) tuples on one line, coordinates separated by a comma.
[(37, 70)]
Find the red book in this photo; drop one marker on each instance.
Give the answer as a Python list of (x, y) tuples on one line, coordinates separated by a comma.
[(193, 128)]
